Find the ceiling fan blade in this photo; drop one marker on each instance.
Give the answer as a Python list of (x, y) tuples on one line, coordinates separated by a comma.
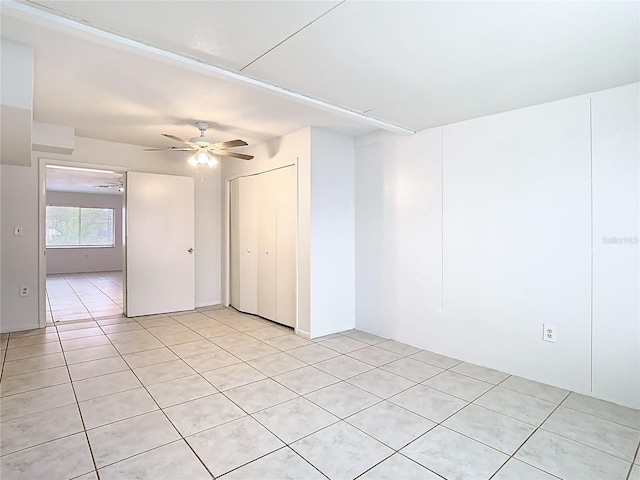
[(241, 156), (230, 144), (178, 149), (173, 137)]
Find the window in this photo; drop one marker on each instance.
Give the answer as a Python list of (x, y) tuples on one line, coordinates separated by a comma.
[(80, 227)]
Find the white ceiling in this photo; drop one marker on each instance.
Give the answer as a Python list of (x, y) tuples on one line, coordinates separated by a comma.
[(412, 64), (79, 180)]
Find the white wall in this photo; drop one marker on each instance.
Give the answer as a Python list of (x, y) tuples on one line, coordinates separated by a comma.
[(332, 233), (616, 214), (19, 206), (398, 232), (16, 102), (81, 260), (20, 255), (469, 237)]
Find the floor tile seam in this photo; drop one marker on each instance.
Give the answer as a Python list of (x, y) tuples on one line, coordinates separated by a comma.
[(633, 463), (4, 360), (277, 374), (84, 426), (395, 450), (288, 444), (40, 443), (502, 464), (103, 292), (35, 389), (217, 392), (312, 391), (371, 364), (157, 363), (479, 379), (453, 429), (99, 375), (32, 371), (345, 353), (351, 414), (513, 458), (85, 336), (357, 476), (138, 453), (168, 419), (410, 459), (543, 399), (513, 455), (596, 416), (222, 476), (262, 409), (30, 356), (432, 387), (431, 364), (581, 442), (373, 393)]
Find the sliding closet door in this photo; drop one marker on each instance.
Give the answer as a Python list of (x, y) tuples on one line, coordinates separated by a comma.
[(267, 238), (286, 233), (244, 244), (263, 236), (234, 242)]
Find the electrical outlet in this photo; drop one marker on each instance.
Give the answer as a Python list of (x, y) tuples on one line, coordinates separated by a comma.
[(550, 333), (25, 291)]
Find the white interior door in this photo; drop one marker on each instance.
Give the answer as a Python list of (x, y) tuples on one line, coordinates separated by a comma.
[(286, 232), (159, 244)]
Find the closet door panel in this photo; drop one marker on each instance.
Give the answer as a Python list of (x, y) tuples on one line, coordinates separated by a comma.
[(248, 222), (286, 237), (234, 242), (267, 245)]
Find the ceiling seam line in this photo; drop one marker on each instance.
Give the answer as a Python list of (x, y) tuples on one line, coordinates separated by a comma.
[(291, 36), (81, 30)]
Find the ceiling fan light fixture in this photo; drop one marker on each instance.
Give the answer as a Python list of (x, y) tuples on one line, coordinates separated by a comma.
[(212, 162), (193, 161), (203, 157)]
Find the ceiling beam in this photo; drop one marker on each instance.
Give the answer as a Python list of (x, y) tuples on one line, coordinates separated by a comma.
[(69, 26)]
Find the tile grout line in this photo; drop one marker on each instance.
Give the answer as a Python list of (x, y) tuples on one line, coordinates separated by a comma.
[(159, 408), (75, 395), (298, 395)]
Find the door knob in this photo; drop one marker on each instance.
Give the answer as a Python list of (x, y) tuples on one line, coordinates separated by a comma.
[(190, 250), (248, 251)]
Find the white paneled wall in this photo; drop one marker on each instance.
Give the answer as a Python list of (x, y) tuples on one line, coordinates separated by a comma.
[(516, 236), (471, 236), (398, 233), (616, 285)]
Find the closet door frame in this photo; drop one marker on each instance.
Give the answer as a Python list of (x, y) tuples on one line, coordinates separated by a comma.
[(226, 240)]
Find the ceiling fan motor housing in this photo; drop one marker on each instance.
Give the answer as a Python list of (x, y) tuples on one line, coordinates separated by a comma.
[(201, 140)]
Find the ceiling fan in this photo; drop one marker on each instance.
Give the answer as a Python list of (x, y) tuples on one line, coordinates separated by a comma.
[(204, 147), (119, 185)]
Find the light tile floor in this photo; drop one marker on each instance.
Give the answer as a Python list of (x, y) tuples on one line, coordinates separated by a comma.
[(217, 393), (79, 296)]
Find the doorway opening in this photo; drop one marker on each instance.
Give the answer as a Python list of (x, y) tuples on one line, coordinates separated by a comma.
[(83, 242)]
